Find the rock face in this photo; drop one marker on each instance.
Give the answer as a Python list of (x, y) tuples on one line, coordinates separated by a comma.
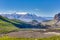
[(57, 20), (57, 17)]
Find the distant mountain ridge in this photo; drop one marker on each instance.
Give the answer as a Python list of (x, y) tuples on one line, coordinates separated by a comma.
[(16, 24), (25, 17)]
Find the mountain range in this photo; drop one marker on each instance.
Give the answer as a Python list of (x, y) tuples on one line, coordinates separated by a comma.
[(26, 17), (12, 24)]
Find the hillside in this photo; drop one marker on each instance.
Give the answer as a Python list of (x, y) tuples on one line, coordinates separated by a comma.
[(55, 23), (6, 26)]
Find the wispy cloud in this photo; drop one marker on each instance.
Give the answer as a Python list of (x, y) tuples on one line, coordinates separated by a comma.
[(12, 12), (21, 12)]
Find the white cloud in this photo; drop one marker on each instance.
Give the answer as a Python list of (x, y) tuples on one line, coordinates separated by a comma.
[(21, 12), (0, 13), (11, 12)]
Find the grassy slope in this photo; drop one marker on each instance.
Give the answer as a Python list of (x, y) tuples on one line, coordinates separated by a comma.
[(49, 38), (51, 22), (6, 26)]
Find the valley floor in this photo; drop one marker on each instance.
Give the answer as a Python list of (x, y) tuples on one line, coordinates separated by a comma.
[(32, 34)]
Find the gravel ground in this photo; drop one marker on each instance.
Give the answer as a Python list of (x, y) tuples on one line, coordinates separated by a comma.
[(32, 34)]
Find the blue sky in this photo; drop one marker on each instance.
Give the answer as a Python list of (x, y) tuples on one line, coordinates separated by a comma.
[(38, 7)]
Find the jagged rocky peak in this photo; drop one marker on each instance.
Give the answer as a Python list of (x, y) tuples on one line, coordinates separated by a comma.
[(57, 17)]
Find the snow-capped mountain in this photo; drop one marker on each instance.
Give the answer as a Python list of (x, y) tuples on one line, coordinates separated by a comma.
[(25, 17)]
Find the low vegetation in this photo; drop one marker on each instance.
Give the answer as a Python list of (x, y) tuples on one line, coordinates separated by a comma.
[(14, 38), (5, 26)]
